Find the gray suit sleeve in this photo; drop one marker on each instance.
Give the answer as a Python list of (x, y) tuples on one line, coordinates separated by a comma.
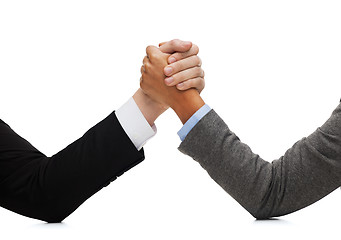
[(307, 172)]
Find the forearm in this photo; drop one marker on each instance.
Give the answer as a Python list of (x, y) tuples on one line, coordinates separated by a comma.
[(77, 172), (50, 188), (232, 164), (150, 109), (307, 172), (105, 152), (187, 104)]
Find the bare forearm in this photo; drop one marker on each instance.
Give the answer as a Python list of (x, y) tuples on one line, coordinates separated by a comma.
[(150, 109), (187, 104)]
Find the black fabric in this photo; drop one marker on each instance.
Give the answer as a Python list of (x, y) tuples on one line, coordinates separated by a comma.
[(51, 188)]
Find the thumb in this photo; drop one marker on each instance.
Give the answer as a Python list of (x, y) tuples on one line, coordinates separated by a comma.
[(175, 45)]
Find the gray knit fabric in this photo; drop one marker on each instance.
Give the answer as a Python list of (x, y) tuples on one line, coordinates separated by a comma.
[(307, 172)]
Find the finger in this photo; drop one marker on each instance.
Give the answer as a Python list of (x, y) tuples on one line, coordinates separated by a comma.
[(175, 45), (194, 50), (197, 83), (141, 83), (162, 43), (181, 65), (146, 65), (145, 60), (152, 53), (184, 75)]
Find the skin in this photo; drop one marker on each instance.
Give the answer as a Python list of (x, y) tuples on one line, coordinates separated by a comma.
[(154, 83), (186, 72), (189, 69)]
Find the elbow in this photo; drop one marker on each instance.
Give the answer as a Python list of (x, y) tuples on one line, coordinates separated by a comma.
[(52, 219), (43, 214), (262, 207), (258, 211), (49, 210), (266, 208), (50, 215), (264, 215), (260, 215)]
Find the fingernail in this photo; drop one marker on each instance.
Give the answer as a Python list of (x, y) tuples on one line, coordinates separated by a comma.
[(180, 85), (169, 80), (168, 70), (172, 60), (187, 42)]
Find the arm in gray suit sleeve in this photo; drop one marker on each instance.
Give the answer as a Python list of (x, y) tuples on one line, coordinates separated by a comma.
[(307, 172)]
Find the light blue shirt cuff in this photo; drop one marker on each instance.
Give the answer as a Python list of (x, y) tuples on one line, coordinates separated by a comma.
[(196, 117)]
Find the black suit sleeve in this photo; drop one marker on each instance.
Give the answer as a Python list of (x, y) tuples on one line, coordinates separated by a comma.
[(51, 188)]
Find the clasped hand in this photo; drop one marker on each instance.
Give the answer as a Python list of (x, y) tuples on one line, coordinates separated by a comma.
[(172, 72)]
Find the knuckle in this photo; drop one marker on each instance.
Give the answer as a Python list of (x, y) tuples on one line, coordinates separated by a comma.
[(197, 60), (198, 71), (175, 78), (202, 84), (200, 62), (146, 66), (150, 52), (188, 84), (174, 42), (195, 49), (158, 57), (148, 48), (177, 56), (197, 83), (201, 81), (152, 55), (183, 86)]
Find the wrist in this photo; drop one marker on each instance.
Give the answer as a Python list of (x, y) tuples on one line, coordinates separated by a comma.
[(150, 109), (187, 104)]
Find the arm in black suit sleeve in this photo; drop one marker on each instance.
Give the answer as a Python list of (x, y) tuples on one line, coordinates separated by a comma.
[(51, 188)]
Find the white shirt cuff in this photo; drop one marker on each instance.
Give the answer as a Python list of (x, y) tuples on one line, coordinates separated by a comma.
[(134, 124)]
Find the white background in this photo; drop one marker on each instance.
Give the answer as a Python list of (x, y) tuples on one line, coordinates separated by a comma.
[(272, 73)]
